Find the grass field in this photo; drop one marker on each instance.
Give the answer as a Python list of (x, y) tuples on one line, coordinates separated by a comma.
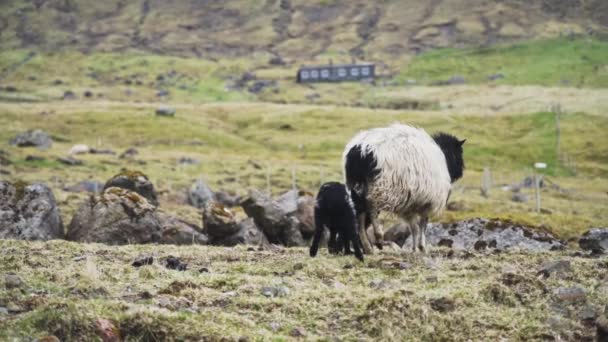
[(242, 140), (66, 288), (554, 62), (237, 144)]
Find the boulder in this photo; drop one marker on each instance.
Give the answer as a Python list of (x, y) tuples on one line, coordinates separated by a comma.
[(479, 233), (267, 214), (397, 233), (117, 217), (305, 214), (179, 232), (29, 212), (288, 202), (519, 197), (69, 95), (218, 221), (224, 230), (70, 161), (165, 111), (200, 194), (32, 138), (247, 234), (129, 153), (135, 181), (227, 199), (595, 239), (79, 149)]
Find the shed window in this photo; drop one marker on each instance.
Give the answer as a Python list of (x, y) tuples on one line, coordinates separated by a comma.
[(365, 71), (304, 74), (342, 72)]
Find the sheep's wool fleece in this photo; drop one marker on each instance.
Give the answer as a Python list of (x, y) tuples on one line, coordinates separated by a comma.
[(413, 170)]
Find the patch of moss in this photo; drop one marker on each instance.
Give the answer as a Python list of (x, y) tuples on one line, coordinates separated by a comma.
[(20, 186)]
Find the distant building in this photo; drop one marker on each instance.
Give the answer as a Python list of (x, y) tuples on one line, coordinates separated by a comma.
[(336, 73)]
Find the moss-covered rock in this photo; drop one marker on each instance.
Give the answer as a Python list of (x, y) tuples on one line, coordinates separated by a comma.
[(119, 216), (135, 181), (29, 212)]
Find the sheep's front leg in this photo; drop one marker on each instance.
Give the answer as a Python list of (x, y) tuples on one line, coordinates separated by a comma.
[(367, 246), (378, 232)]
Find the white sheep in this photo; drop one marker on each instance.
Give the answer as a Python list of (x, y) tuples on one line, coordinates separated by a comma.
[(402, 170)]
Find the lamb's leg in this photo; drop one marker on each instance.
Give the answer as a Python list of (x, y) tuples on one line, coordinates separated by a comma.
[(423, 224), (351, 235), (332, 245), (319, 228), (367, 246), (346, 241)]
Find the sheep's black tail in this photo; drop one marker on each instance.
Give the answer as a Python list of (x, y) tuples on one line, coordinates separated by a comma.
[(360, 168)]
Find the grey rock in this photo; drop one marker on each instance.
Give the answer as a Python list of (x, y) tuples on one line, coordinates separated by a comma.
[(12, 281), (32, 138), (162, 93), (442, 304), (218, 221), (227, 199), (70, 161), (274, 326), (397, 234), (288, 202), (276, 60), (29, 212), (134, 181), (188, 161), (30, 158), (259, 85), (266, 213), (200, 194), (595, 239), (275, 291), (570, 294), (4, 158), (492, 234), (457, 79), (305, 214), (129, 153), (117, 217), (224, 230), (497, 76), (179, 232), (555, 267), (519, 197), (165, 111), (3, 310), (69, 95)]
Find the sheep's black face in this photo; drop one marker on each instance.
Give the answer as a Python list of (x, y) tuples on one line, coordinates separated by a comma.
[(452, 149)]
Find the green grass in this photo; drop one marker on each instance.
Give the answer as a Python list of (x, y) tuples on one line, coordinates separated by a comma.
[(66, 287), (231, 139), (553, 62)]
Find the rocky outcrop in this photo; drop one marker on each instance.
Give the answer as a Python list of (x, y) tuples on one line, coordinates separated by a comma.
[(134, 181), (595, 239), (29, 212), (480, 234), (275, 218), (179, 232), (117, 217), (223, 229)]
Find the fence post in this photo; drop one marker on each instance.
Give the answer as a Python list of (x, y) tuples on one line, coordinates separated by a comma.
[(293, 178), (486, 182), (537, 191), (268, 190)]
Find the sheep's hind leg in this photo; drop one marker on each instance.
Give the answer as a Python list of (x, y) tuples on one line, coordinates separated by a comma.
[(367, 246), (415, 230), (423, 224)]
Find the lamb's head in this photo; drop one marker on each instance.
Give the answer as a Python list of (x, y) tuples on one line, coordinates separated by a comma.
[(452, 149)]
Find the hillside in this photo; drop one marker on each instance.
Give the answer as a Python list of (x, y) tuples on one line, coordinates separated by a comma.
[(294, 29)]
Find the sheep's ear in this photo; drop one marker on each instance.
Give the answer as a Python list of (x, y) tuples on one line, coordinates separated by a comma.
[(462, 142)]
